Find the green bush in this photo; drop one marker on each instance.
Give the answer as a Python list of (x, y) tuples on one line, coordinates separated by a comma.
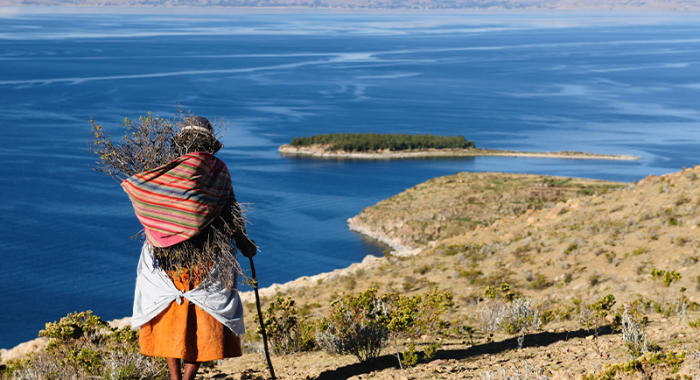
[(287, 331), (667, 277), (364, 142), (82, 345), (410, 357), (651, 365), (355, 325), (431, 350), (420, 314), (362, 324), (694, 324)]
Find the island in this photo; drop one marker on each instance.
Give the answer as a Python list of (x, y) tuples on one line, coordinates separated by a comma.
[(376, 146)]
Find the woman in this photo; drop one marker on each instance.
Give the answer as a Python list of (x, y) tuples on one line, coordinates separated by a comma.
[(186, 303)]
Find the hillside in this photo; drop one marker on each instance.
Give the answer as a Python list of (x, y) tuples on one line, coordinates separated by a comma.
[(538, 281), (531, 5), (562, 258), (453, 205)]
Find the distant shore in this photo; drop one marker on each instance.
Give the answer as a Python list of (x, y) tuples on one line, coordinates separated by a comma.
[(316, 151)]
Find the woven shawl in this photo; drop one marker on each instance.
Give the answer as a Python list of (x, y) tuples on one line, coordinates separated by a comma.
[(176, 201)]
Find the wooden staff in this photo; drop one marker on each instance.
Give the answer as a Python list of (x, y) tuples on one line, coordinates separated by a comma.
[(260, 318)]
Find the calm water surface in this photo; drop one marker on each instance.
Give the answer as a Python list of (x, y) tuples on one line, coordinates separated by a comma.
[(540, 82)]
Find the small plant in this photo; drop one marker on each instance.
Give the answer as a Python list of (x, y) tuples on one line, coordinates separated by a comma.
[(571, 248), (423, 269), (82, 345), (355, 325), (667, 277), (413, 316), (410, 357), (472, 275), (431, 350), (595, 314), (516, 316), (540, 282), (527, 373), (504, 291), (639, 251), (652, 365), (595, 279), (633, 334), (466, 330), (287, 331)]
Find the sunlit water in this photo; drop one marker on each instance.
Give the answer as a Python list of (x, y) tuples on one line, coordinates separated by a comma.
[(537, 83)]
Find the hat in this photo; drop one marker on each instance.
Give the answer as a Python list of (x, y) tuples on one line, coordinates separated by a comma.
[(198, 134), (198, 124)]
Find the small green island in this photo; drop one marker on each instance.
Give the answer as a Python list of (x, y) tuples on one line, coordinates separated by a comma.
[(378, 146)]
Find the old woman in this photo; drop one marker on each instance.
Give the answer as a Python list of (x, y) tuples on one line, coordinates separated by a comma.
[(186, 303)]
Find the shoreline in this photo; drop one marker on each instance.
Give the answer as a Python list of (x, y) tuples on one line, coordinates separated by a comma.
[(369, 261), (397, 248), (320, 153)]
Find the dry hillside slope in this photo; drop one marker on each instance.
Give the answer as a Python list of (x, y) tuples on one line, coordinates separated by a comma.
[(452, 205), (559, 262)]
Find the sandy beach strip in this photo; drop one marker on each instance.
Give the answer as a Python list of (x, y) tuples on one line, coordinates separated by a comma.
[(320, 153)]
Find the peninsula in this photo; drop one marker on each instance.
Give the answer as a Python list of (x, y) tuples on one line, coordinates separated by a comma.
[(373, 146)]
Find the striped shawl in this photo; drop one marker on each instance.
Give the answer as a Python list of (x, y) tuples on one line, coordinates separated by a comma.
[(178, 200)]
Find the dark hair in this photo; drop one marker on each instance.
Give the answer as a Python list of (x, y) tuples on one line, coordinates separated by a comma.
[(198, 139)]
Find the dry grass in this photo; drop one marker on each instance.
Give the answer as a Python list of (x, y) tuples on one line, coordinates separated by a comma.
[(569, 252), (449, 206)]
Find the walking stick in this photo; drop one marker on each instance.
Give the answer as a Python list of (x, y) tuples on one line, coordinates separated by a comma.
[(260, 318)]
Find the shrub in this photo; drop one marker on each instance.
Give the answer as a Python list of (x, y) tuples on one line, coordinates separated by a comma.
[(362, 142), (410, 357), (420, 314), (594, 315), (431, 350), (434, 304), (472, 275), (504, 291), (355, 325), (521, 317), (288, 332), (508, 311), (667, 277), (651, 365), (540, 282), (694, 324), (82, 345), (633, 334)]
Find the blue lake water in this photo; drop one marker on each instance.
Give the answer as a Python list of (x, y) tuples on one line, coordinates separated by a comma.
[(608, 84)]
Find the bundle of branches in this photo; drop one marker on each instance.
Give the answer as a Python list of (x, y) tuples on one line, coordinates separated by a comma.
[(151, 142)]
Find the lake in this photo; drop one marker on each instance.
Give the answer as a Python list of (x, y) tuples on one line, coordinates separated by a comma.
[(603, 83)]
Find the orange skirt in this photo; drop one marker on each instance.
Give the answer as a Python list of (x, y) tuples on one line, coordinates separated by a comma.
[(186, 331)]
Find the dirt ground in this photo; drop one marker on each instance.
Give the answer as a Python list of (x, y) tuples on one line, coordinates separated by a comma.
[(553, 354)]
